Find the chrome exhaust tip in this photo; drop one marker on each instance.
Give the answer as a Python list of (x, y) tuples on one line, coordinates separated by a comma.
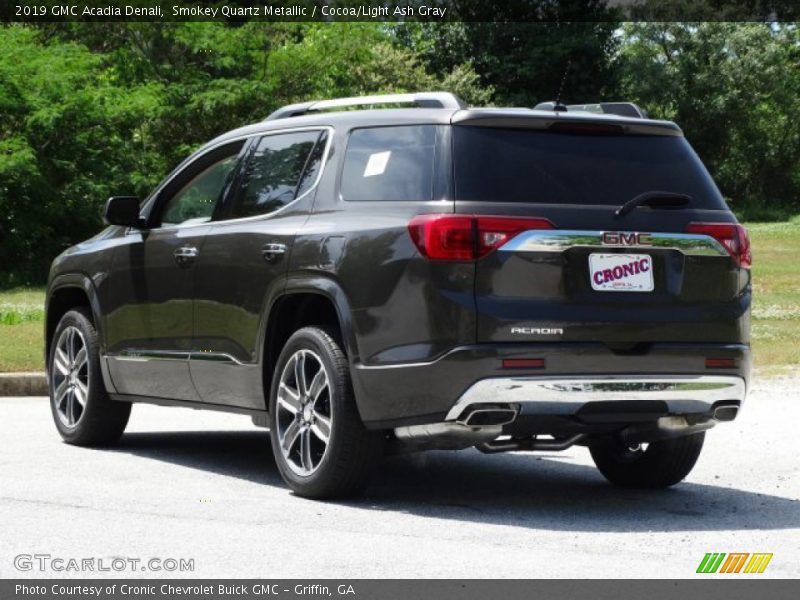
[(726, 412), (486, 416)]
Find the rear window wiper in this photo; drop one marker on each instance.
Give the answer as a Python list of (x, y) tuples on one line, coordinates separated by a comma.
[(655, 199)]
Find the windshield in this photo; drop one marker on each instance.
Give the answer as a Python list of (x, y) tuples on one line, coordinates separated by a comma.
[(524, 165)]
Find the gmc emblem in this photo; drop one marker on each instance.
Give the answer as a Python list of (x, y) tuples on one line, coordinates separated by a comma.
[(623, 238)]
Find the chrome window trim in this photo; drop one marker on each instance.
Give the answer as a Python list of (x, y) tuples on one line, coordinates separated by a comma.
[(205, 151), (557, 240)]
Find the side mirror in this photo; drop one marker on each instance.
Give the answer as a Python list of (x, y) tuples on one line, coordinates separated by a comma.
[(123, 210)]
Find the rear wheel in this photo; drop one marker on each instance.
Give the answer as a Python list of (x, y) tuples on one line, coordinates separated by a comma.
[(83, 413), (655, 465), (321, 447)]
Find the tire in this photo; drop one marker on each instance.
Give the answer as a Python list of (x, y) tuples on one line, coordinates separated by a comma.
[(660, 465), (82, 411), (302, 415)]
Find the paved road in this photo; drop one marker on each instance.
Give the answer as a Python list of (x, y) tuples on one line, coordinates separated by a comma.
[(189, 484)]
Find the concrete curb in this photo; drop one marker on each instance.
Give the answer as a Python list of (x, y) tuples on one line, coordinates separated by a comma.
[(23, 384)]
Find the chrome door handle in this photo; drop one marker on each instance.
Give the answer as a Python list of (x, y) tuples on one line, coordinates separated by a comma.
[(185, 255), (272, 251)]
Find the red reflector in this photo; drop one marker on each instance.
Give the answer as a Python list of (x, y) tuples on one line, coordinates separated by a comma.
[(720, 363), (733, 237), (467, 237), (523, 363)]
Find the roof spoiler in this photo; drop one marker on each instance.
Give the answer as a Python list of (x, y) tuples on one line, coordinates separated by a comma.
[(622, 109), (420, 100)]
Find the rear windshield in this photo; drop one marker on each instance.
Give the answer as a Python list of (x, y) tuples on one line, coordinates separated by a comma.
[(523, 165)]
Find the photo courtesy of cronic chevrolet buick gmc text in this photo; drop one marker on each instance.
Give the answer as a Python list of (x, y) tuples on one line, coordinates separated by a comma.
[(399, 273)]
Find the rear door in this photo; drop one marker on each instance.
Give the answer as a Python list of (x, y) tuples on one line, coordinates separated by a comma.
[(582, 272), (244, 261)]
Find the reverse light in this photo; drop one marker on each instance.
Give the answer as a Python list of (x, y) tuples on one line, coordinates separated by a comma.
[(733, 237), (467, 237)]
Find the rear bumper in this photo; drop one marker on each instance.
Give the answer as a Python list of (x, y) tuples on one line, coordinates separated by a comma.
[(564, 396), (395, 395)]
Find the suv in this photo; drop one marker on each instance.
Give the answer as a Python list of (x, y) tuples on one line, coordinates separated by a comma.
[(418, 277)]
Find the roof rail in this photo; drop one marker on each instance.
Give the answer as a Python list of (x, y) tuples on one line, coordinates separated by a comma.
[(421, 100), (623, 109)]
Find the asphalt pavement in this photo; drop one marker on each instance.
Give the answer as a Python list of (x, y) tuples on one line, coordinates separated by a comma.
[(186, 484)]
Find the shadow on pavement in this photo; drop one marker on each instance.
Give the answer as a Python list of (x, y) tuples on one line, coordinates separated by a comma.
[(542, 491)]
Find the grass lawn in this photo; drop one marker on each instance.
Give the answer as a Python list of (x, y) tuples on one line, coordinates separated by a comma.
[(776, 293), (21, 325), (776, 309), (21, 347)]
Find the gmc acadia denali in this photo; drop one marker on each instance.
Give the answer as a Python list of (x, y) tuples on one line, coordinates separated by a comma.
[(402, 273)]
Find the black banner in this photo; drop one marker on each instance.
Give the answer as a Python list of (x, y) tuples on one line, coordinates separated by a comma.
[(395, 589), (401, 11)]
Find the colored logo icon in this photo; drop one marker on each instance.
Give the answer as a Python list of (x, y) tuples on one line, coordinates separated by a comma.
[(734, 562)]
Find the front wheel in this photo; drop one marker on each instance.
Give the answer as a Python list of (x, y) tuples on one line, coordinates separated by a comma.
[(83, 413), (321, 447), (655, 465)]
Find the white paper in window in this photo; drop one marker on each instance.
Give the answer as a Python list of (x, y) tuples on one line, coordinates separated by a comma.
[(376, 165)]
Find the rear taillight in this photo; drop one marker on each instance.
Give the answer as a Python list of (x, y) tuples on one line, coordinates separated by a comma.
[(467, 237), (732, 236)]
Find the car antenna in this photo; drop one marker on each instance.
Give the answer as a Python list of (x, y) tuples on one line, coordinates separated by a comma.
[(557, 106)]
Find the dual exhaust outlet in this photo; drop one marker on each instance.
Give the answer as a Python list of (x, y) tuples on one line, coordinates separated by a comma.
[(481, 425), (486, 415)]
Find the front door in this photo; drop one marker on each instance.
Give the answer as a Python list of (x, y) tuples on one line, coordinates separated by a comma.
[(149, 326)]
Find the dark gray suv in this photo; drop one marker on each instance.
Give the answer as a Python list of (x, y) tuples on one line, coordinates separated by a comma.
[(419, 276)]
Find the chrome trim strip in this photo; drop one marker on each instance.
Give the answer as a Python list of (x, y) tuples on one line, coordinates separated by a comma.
[(217, 357), (565, 395), (175, 355), (557, 240), (148, 355)]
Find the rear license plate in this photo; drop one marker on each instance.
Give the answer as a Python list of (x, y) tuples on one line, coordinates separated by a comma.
[(621, 272)]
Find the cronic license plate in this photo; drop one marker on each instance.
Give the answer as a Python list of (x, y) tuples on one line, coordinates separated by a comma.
[(621, 272)]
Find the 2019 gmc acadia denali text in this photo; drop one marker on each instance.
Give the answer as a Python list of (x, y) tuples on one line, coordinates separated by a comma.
[(434, 276)]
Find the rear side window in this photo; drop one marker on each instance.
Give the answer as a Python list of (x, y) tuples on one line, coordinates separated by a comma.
[(524, 165), (390, 163), (279, 167)]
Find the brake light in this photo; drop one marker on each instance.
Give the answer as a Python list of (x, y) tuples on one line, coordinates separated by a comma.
[(467, 237), (732, 236)]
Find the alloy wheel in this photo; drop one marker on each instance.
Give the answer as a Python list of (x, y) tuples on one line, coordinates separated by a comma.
[(70, 376), (304, 412)]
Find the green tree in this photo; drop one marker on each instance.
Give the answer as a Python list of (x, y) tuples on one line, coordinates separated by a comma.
[(525, 51), (735, 90), (88, 110), (64, 145)]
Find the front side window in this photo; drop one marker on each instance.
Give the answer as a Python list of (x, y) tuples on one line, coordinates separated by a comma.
[(390, 163), (195, 201), (280, 168)]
